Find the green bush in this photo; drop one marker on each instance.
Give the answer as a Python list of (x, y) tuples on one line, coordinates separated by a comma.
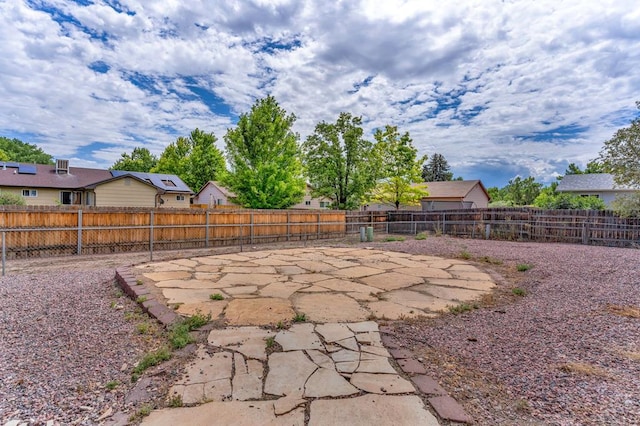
[(563, 200), (10, 199), (627, 205)]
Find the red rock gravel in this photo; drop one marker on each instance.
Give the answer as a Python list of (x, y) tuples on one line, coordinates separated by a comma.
[(565, 354)]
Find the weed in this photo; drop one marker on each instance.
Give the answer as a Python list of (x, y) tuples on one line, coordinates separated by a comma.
[(175, 402), (372, 317), (118, 294), (490, 260), (280, 325), (462, 308), (139, 282), (464, 255), (111, 385), (216, 296), (624, 311), (143, 328), (421, 236), (522, 267), (142, 412), (391, 239), (519, 291), (141, 299), (301, 317), (270, 341), (583, 368), (113, 304), (151, 359), (522, 405), (179, 336)]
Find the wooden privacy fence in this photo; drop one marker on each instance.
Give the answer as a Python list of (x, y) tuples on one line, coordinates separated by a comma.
[(522, 224), (39, 232)]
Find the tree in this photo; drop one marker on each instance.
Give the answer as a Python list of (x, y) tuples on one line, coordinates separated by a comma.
[(400, 167), (22, 152), (621, 154), (593, 166), (627, 205), (436, 169), (196, 159), (549, 198), (522, 192), (340, 163), (140, 160), (264, 158)]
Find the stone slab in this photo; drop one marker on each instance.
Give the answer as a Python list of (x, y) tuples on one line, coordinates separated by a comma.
[(392, 281), (225, 413), (168, 275), (468, 284), (258, 311), (449, 409), (288, 373), (298, 337), (357, 272), (366, 410), (326, 382), (416, 300), (212, 307), (249, 341), (411, 366), (230, 280), (280, 290), (325, 307), (332, 332), (427, 385), (449, 293), (381, 383)]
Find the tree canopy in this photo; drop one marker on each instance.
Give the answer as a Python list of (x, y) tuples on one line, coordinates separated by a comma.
[(593, 166), (265, 170), (621, 154), (196, 159), (22, 152), (400, 168), (340, 163), (436, 169), (140, 160)]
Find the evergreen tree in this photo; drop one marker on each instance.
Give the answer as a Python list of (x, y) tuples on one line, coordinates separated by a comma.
[(436, 169)]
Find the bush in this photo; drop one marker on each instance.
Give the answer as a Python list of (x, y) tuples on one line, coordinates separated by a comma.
[(10, 199), (627, 205), (563, 200)]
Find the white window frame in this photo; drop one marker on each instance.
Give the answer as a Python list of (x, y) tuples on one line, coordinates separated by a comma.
[(180, 197), (31, 193)]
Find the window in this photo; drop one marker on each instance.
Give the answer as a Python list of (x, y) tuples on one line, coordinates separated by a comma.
[(590, 195), (219, 202), (307, 202), (324, 204), (168, 182), (29, 192), (180, 197), (70, 197)]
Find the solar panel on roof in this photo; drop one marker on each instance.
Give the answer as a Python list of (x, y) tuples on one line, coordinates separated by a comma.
[(27, 169)]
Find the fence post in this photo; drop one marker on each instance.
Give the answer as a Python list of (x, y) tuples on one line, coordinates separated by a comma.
[(413, 222), (251, 228), (241, 236), (288, 226), (444, 224), (79, 250), (206, 230), (487, 231), (585, 233), (318, 228), (4, 251), (151, 235)]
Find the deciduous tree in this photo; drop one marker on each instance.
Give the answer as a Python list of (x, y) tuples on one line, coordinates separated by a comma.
[(340, 163), (140, 160), (621, 154), (265, 170), (22, 152), (196, 159)]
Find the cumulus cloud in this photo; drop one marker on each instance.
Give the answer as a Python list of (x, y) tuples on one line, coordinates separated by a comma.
[(501, 88)]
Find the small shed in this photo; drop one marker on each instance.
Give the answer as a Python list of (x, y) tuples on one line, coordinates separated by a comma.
[(455, 194)]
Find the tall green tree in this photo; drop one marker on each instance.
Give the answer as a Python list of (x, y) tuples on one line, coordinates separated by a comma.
[(265, 170), (436, 169), (621, 154), (140, 160), (341, 164), (196, 159), (400, 167), (593, 166), (22, 152), (522, 192)]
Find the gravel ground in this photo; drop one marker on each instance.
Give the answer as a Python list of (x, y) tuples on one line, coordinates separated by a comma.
[(567, 353), (63, 336)]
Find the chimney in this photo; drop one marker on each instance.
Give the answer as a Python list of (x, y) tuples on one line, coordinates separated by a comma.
[(62, 167)]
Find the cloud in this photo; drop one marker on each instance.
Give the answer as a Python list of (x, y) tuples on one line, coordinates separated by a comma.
[(499, 88)]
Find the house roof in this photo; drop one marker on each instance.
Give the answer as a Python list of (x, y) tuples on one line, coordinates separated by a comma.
[(452, 189), (225, 191), (590, 182), (45, 176)]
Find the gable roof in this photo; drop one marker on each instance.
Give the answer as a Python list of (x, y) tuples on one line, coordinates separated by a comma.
[(590, 182), (24, 175), (225, 191), (453, 189)]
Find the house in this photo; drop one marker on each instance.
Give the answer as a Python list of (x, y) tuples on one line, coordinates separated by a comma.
[(214, 195), (60, 184), (455, 194), (601, 185)]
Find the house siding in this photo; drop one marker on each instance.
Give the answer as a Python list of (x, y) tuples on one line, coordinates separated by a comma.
[(171, 201), (125, 192), (477, 197), (210, 196), (314, 203)]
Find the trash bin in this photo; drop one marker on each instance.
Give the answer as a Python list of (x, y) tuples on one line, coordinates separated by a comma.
[(363, 235), (370, 233)]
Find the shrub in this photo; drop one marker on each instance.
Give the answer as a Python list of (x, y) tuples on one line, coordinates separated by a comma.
[(421, 236), (179, 336), (151, 359), (216, 296), (519, 291), (627, 205), (522, 267), (10, 199)]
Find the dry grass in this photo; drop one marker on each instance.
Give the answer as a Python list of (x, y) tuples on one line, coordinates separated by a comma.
[(583, 368), (635, 356), (624, 311)]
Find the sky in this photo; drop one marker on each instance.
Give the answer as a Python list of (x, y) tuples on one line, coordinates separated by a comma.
[(500, 88)]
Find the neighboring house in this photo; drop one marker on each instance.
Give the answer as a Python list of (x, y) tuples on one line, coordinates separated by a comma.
[(455, 194), (214, 195), (42, 184), (601, 185)]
